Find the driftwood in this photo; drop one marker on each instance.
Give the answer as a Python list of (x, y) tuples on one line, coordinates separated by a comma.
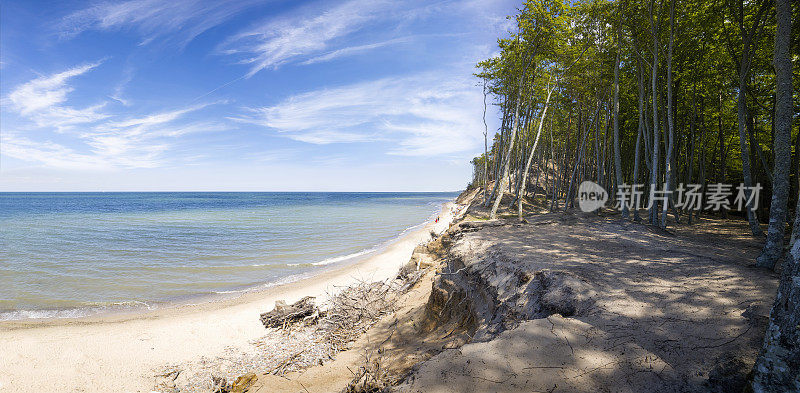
[(284, 315)]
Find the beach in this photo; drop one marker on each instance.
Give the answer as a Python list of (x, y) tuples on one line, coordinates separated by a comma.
[(121, 352)]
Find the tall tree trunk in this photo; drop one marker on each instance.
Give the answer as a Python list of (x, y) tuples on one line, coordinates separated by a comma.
[(639, 134), (773, 248), (777, 368), (514, 126), (670, 126), (723, 162), (702, 154), (579, 159), (524, 130), (747, 38), (485, 148), (535, 143), (656, 130), (692, 146), (617, 158), (752, 218), (795, 183), (499, 156)]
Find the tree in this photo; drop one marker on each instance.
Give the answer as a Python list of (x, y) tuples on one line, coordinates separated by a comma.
[(747, 37), (503, 182), (533, 149), (700, 69), (656, 132), (617, 159), (777, 368), (485, 147), (773, 248), (670, 126)]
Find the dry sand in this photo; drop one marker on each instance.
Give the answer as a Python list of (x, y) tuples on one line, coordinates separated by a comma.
[(600, 304), (122, 352)]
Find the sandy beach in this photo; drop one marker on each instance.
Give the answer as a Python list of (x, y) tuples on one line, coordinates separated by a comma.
[(121, 352)]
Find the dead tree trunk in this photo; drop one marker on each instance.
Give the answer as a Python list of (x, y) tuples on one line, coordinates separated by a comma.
[(284, 315)]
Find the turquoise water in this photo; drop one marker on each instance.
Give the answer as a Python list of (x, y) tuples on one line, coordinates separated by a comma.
[(73, 254)]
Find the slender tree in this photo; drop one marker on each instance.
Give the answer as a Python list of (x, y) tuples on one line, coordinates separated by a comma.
[(670, 128), (745, 62), (617, 158), (533, 149)]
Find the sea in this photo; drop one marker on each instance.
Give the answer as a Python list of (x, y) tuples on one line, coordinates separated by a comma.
[(65, 255)]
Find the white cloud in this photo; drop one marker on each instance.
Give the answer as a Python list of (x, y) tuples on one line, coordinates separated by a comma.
[(352, 50), (41, 99), (279, 41), (48, 153), (139, 142), (424, 114), (45, 92), (135, 142), (154, 20)]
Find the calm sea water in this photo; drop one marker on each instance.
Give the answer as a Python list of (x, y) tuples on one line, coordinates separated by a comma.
[(72, 254)]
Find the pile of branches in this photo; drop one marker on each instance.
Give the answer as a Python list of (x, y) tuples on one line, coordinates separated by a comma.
[(349, 314), (372, 377), (354, 310)]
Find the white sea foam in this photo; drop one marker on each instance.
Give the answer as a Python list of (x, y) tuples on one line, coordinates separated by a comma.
[(76, 312)]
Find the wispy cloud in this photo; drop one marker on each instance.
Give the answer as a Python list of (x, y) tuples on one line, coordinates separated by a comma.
[(105, 140), (46, 91), (352, 50), (41, 100), (47, 153), (132, 143), (423, 114), (153, 20), (279, 41), (118, 95), (139, 142)]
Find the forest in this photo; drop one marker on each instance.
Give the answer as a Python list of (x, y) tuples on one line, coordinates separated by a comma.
[(664, 98)]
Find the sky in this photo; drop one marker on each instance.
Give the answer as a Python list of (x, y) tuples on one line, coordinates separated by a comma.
[(267, 95)]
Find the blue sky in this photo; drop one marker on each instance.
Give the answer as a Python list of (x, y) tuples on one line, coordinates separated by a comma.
[(269, 95)]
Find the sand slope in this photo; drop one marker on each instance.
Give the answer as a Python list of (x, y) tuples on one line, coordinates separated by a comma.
[(580, 303)]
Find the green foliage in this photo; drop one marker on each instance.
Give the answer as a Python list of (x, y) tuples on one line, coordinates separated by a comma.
[(574, 44)]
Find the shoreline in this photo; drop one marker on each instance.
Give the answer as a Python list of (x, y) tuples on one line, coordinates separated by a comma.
[(333, 263), (119, 351)]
